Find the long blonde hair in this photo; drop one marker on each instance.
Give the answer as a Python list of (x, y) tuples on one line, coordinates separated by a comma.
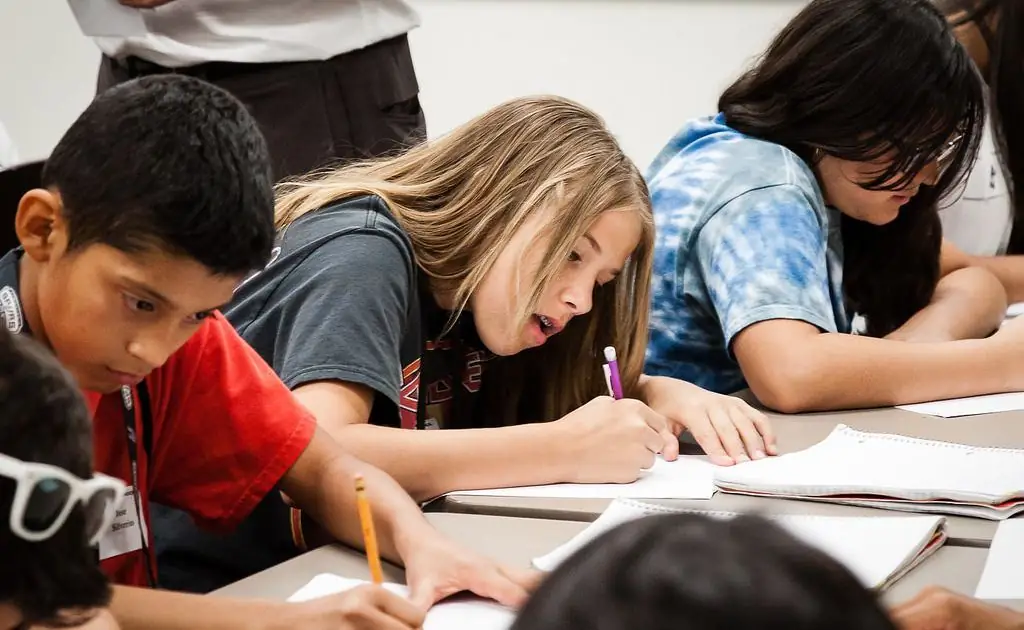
[(461, 197)]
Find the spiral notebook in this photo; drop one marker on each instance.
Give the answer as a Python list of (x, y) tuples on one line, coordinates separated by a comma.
[(878, 550), (462, 612), (889, 471)]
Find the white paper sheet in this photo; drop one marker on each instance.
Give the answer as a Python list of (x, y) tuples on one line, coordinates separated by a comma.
[(875, 549), (1003, 577), (107, 18), (689, 477), (973, 406), (462, 613)]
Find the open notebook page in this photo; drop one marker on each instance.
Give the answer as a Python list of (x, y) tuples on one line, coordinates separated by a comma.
[(689, 477), (854, 466), (461, 613), (877, 550), (1003, 577)]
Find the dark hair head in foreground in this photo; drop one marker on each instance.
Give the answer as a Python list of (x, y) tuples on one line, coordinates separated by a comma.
[(693, 572), (54, 581)]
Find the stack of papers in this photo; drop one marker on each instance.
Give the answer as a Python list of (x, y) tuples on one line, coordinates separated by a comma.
[(878, 551), (889, 471)]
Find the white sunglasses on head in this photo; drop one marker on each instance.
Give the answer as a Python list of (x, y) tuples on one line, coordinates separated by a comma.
[(46, 495)]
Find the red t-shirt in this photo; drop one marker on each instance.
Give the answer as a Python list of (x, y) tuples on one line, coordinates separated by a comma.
[(225, 430)]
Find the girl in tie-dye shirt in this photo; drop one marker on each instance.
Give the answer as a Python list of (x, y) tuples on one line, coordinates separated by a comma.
[(811, 197)]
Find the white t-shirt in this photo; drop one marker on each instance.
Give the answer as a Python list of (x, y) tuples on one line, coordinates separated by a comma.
[(979, 222), (188, 32)]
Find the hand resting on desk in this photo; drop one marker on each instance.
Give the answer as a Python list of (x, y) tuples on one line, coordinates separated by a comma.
[(939, 609)]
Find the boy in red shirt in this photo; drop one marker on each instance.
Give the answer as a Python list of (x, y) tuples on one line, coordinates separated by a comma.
[(156, 203)]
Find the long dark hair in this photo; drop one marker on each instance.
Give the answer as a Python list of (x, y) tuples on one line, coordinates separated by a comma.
[(863, 80), (1001, 23)]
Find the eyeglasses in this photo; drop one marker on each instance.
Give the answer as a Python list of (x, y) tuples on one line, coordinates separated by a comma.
[(46, 494)]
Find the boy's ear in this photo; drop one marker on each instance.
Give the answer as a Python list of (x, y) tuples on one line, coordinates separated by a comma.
[(40, 223)]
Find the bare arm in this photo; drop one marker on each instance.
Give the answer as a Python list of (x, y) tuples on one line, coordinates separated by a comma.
[(431, 463), (1008, 269), (322, 483), (939, 609), (145, 609), (363, 607), (792, 367), (969, 303), (604, 441)]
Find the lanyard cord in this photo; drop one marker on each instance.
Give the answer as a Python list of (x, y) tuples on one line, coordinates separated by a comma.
[(128, 405)]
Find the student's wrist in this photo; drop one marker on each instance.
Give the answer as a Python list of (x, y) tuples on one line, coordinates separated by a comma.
[(998, 357), (649, 388), (286, 615), (561, 446), (410, 535)]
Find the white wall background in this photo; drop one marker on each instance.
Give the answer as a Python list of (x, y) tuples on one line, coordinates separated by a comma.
[(645, 65)]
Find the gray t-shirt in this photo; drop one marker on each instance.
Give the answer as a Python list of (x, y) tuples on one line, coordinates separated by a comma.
[(340, 301)]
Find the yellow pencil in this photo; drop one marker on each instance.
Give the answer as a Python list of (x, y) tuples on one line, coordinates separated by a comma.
[(369, 535)]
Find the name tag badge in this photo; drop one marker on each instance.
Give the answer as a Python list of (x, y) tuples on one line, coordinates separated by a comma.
[(125, 533)]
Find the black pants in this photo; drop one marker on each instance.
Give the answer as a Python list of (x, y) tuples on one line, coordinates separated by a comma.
[(314, 113)]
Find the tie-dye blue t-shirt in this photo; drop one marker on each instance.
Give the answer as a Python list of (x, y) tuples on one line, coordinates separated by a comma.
[(743, 236)]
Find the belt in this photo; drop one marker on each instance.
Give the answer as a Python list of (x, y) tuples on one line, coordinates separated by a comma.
[(211, 71)]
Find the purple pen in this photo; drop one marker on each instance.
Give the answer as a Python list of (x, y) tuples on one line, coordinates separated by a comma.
[(613, 372)]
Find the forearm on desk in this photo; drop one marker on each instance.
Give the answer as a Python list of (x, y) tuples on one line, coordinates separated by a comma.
[(322, 483), (968, 303), (431, 463), (836, 371), (1008, 269), (146, 609)]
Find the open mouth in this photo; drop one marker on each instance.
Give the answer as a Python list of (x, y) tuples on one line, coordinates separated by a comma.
[(547, 326)]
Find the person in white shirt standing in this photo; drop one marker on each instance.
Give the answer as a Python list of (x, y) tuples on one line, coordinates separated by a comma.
[(327, 80)]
